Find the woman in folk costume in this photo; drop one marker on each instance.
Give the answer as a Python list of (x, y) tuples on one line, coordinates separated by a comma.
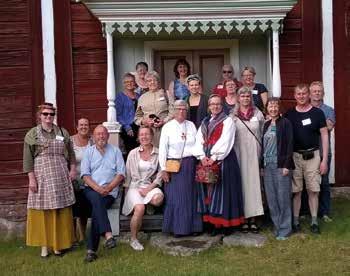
[(176, 144), (220, 203), (46, 155)]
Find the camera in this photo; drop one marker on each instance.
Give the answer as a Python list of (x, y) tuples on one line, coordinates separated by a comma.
[(155, 118)]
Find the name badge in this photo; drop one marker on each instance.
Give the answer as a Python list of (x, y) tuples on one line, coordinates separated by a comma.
[(161, 99), (220, 86), (306, 122), (59, 138), (255, 92), (254, 119)]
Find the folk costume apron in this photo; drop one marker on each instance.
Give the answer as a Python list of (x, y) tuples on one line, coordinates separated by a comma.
[(55, 190)]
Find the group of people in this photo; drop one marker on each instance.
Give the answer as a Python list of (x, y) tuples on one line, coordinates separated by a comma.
[(200, 157)]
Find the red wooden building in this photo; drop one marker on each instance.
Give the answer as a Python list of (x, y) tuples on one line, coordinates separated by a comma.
[(309, 38)]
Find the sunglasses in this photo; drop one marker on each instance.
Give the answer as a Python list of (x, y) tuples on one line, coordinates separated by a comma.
[(48, 113), (226, 72)]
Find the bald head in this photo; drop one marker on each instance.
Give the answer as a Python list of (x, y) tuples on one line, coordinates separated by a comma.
[(101, 136)]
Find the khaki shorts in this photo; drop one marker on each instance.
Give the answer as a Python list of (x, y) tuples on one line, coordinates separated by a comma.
[(308, 170)]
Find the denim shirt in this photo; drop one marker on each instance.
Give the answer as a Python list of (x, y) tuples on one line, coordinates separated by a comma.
[(103, 168), (125, 109)]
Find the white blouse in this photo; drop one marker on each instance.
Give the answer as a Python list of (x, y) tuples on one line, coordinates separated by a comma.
[(172, 141), (222, 147)]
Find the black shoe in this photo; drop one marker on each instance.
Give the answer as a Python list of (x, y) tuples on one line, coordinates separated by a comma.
[(90, 257), (254, 228), (315, 229), (110, 243), (59, 253), (296, 228), (227, 231), (245, 228), (214, 232)]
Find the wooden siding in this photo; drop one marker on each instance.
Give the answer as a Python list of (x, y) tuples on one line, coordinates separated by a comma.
[(300, 48), (89, 59), (342, 87), (21, 90)]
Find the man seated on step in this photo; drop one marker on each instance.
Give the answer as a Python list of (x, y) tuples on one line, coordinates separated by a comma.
[(103, 170)]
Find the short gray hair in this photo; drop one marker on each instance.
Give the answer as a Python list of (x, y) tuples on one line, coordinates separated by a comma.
[(178, 103), (153, 74)]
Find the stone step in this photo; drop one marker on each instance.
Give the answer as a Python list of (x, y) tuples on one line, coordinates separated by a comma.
[(149, 223)]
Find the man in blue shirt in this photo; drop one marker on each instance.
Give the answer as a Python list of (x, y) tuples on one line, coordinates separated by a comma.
[(316, 96), (103, 170)]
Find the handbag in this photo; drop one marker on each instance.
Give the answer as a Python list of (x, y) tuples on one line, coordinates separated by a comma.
[(173, 165), (208, 174)]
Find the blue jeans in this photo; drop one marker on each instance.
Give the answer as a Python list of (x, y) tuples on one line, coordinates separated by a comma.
[(325, 193), (278, 190), (99, 218)]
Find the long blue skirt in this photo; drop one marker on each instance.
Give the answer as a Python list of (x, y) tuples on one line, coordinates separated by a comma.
[(180, 213), (221, 204)]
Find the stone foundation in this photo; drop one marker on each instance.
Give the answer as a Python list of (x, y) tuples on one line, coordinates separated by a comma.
[(13, 216), (12, 229)]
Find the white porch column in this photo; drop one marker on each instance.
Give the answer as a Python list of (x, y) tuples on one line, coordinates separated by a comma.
[(328, 68), (276, 73), (47, 22), (112, 124)]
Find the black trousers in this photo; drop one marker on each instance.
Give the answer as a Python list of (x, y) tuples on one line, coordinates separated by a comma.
[(130, 142)]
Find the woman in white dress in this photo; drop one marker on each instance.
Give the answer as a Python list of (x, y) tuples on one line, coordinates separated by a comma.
[(143, 180), (249, 122)]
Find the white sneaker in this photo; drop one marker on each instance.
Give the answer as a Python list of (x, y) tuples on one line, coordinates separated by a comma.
[(326, 218), (136, 245)]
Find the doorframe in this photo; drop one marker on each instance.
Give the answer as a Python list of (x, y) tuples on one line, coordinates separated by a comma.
[(170, 45)]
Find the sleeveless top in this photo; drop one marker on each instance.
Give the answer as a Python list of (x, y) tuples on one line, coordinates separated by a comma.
[(181, 91)]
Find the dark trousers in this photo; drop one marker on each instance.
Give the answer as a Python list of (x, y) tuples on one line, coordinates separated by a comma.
[(325, 193), (130, 142), (99, 218)]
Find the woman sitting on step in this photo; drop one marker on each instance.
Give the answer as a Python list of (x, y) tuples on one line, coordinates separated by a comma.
[(142, 181)]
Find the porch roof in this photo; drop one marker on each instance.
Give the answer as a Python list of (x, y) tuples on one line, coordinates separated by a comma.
[(227, 15)]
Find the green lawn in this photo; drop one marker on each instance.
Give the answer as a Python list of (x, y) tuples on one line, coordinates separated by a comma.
[(305, 254)]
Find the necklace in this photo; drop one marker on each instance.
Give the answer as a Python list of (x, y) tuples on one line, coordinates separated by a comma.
[(82, 142), (145, 153)]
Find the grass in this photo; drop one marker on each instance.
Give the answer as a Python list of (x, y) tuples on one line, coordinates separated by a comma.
[(304, 254)]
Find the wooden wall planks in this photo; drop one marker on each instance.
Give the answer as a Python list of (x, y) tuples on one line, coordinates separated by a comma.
[(21, 89), (89, 65), (341, 30)]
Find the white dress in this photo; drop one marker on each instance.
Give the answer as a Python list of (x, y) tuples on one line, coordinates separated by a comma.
[(133, 196), (248, 154)]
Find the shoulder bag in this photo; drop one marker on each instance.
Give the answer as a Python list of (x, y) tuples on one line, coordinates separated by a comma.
[(173, 165)]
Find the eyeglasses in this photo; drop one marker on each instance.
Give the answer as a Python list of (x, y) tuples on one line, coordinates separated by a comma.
[(47, 114), (216, 104), (226, 72)]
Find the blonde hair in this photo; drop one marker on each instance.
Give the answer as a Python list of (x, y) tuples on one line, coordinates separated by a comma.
[(250, 69)]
